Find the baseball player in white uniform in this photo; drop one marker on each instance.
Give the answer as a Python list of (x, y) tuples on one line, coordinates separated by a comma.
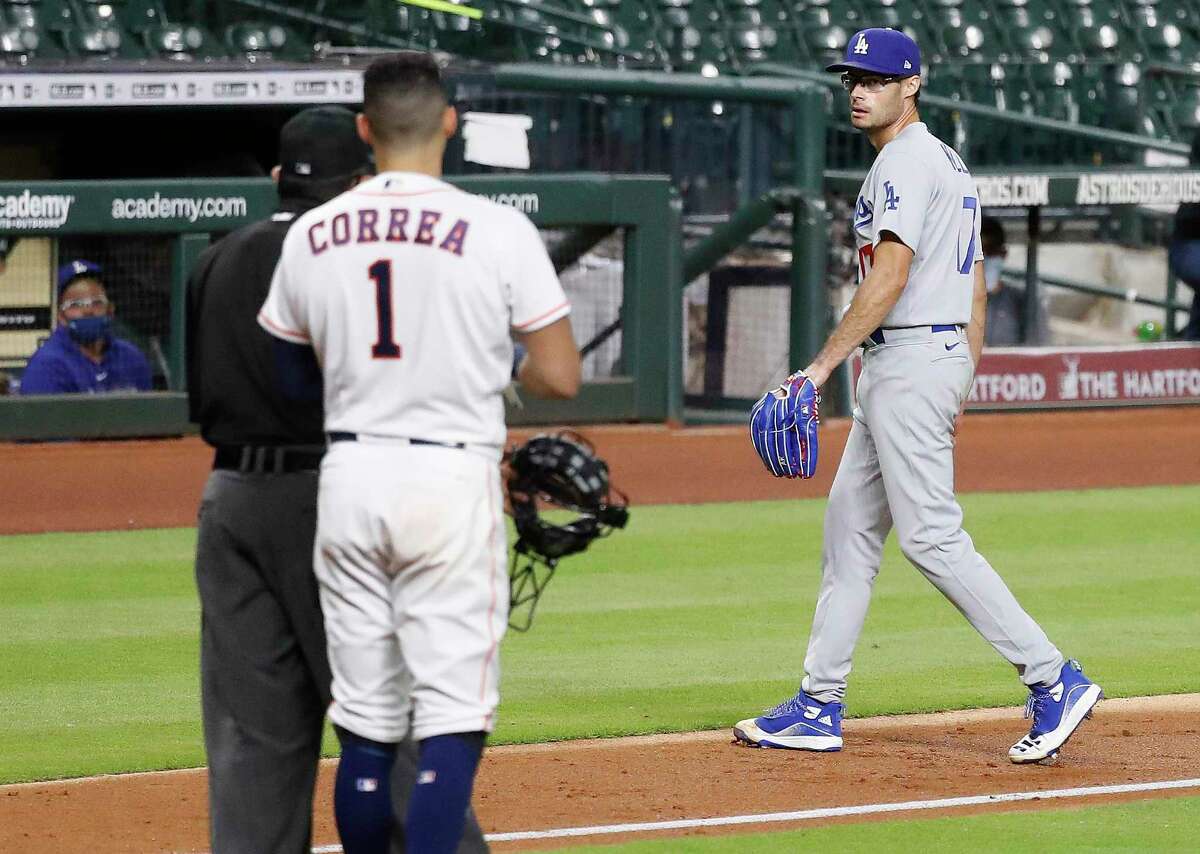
[(919, 315), (408, 292)]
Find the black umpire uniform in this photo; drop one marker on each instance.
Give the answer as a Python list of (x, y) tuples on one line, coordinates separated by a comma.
[(265, 676)]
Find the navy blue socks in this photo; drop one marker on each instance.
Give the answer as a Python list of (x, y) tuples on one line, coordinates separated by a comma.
[(442, 794), (362, 798)]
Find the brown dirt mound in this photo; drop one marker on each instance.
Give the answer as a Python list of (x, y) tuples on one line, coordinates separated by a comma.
[(584, 783)]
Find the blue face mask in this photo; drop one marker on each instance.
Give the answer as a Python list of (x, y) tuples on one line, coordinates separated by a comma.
[(87, 330)]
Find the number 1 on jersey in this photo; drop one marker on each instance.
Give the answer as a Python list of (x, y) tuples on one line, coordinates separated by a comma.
[(385, 347)]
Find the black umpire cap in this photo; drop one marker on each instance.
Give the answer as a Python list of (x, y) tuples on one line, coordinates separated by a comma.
[(320, 152)]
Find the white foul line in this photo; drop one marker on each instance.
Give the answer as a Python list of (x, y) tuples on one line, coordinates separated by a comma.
[(834, 812), (825, 812)]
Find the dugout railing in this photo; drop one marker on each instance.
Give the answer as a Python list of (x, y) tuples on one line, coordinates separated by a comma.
[(614, 239)]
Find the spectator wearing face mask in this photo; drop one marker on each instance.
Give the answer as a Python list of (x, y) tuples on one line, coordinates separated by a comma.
[(1003, 326), (82, 355)]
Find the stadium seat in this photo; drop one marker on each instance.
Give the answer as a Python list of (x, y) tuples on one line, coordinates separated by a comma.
[(1187, 112), (676, 33), (960, 30), (148, 21), (1054, 97), (604, 14), (1125, 109), (89, 29), (1091, 94), (21, 32), (1161, 38), (777, 17), (263, 40), (751, 38), (1037, 29)]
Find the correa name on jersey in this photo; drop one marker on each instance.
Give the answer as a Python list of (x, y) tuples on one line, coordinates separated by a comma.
[(367, 226)]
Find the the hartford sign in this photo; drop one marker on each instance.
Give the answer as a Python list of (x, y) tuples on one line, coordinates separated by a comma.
[(1038, 377)]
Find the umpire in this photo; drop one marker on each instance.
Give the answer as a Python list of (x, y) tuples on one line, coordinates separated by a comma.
[(264, 674)]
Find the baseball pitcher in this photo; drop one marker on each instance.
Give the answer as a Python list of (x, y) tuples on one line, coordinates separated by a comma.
[(406, 293), (919, 315)]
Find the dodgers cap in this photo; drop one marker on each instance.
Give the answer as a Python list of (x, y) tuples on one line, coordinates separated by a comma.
[(881, 51), (77, 269), (322, 144)]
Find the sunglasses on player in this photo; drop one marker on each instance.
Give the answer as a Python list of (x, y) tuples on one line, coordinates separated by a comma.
[(872, 83)]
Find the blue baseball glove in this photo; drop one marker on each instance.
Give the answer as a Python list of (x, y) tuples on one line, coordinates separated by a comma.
[(783, 427)]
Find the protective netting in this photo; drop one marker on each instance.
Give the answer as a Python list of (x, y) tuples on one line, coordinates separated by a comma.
[(134, 275), (137, 276), (591, 266), (26, 298)]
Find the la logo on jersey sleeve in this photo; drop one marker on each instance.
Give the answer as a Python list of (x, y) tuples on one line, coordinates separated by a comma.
[(891, 201)]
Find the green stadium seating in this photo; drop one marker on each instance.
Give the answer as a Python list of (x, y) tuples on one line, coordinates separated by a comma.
[(22, 33)]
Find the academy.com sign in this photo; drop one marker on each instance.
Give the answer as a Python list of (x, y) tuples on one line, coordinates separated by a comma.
[(191, 209), (29, 211)]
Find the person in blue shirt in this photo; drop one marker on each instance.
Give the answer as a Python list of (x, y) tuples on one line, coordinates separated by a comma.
[(82, 355)]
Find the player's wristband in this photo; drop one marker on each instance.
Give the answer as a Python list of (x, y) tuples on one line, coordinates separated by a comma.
[(519, 352)]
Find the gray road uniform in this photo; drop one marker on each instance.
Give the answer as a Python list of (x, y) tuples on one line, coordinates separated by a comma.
[(898, 466)]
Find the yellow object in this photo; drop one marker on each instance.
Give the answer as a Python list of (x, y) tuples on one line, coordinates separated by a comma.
[(448, 8)]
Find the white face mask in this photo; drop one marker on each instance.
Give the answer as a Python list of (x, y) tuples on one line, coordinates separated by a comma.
[(991, 273)]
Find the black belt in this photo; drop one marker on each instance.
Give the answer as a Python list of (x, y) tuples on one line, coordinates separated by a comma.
[(343, 436), (879, 338), (268, 459)]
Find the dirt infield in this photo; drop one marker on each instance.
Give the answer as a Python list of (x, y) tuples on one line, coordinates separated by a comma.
[(693, 775), (117, 485)]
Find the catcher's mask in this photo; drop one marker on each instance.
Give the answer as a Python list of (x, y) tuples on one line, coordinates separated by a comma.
[(562, 472)]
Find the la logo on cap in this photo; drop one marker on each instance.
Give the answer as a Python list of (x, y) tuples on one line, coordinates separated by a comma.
[(80, 268), (861, 45)]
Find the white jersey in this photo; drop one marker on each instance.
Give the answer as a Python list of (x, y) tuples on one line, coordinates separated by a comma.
[(920, 190), (408, 289)]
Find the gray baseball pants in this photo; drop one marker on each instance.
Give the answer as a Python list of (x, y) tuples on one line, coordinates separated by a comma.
[(898, 471), (264, 672)]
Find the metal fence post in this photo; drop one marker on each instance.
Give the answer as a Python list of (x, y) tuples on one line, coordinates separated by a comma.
[(186, 250), (1031, 310), (808, 306)]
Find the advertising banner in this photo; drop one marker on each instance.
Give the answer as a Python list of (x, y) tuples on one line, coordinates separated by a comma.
[(1067, 377), (1038, 377)]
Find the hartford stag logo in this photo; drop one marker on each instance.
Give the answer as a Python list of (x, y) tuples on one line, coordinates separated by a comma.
[(28, 211)]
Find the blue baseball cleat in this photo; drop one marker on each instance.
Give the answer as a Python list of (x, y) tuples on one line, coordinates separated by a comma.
[(1057, 712), (800, 723)]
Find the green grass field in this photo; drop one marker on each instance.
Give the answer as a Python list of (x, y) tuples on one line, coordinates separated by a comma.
[(693, 617)]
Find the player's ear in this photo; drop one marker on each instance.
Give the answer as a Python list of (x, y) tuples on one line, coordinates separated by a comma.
[(913, 85), (363, 126), (276, 171), (449, 121)]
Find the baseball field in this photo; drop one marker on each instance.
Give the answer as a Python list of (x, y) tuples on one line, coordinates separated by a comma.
[(614, 729)]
